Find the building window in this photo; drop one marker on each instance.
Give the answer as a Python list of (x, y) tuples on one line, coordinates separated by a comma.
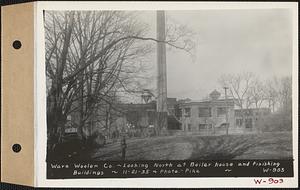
[(239, 122), (187, 112), (221, 111), (204, 112), (202, 126), (189, 127), (209, 126), (248, 123)]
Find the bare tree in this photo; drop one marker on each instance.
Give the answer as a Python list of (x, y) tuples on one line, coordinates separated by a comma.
[(271, 93), (257, 94), (278, 92), (181, 35), (239, 87), (285, 94), (92, 57)]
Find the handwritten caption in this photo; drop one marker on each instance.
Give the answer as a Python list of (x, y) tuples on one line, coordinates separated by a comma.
[(268, 181)]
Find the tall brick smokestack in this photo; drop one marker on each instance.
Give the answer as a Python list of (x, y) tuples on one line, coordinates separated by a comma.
[(162, 74)]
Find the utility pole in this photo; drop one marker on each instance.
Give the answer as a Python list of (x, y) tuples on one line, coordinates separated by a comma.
[(162, 110), (226, 105)]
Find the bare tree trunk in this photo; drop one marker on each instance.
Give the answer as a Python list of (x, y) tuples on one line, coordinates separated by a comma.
[(81, 109), (243, 118), (107, 120)]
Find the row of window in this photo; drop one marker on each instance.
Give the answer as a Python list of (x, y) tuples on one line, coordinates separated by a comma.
[(188, 127), (239, 123), (248, 122), (203, 112)]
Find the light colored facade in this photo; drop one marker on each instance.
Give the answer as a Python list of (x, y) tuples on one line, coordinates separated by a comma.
[(207, 115), (213, 115)]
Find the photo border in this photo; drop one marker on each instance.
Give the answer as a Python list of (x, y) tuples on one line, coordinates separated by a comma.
[(40, 98)]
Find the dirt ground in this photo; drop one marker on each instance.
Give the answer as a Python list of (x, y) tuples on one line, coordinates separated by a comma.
[(197, 147)]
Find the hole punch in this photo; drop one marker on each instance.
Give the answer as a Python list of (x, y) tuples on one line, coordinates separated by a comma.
[(16, 148), (17, 44)]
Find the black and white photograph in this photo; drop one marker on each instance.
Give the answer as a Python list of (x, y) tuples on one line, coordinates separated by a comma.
[(209, 87)]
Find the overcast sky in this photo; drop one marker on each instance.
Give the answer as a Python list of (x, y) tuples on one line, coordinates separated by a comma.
[(227, 41)]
